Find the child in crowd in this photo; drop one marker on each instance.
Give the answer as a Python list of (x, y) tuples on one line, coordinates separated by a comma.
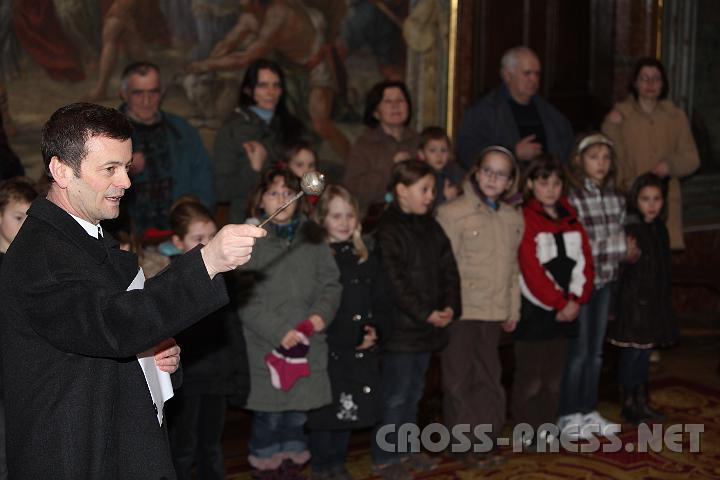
[(601, 210), (295, 283), (212, 361), (436, 149), (301, 158), (556, 278), (485, 233), (425, 288), (16, 195), (644, 309), (354, 355)]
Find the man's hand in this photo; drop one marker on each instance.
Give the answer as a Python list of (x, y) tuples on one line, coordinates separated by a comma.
[(256, 153), (167, 355), (569, 312), (527, 148), (230, 248), (138, 163)]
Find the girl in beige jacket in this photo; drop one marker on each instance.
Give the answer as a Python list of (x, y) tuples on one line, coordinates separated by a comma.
[(485, 233)]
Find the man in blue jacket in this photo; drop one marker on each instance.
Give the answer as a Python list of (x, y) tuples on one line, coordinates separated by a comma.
[(514, 115), (169, 158)]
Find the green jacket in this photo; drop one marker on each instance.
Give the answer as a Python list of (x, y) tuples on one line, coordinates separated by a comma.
[(235, 180), (288, 283)]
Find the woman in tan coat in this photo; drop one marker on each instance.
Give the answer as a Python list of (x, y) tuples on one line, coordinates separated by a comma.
[(651, 134)]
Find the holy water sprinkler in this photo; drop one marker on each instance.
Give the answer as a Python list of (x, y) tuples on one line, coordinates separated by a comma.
[(312, 183)]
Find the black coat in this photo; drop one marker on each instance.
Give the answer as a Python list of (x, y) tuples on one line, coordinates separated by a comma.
[(355, 374), (76, 400), (419, 261), (644, 315), (214, 355)]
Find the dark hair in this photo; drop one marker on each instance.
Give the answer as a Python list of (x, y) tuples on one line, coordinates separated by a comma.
[(16, 189), (266, 180), (291, 129), (375, 96), (647, 180), (186, 210), (408, 172), (480, 158), (136, 68), (289, 150), (649, 62), (542, 166), (434, 133), (576, 169), (66, 133)]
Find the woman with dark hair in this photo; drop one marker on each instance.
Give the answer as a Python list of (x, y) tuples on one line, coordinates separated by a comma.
[(652, 135), (387, 140), (252, 136)]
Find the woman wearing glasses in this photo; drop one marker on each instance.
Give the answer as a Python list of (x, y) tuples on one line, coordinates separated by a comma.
[(652, 135)]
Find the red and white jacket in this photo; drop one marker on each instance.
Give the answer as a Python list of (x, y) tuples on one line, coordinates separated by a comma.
[(541, 280)]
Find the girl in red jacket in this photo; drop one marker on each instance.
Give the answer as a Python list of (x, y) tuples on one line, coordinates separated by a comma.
[(556, 277)]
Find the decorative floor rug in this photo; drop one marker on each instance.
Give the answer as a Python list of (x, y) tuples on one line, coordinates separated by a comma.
[(652, 452)]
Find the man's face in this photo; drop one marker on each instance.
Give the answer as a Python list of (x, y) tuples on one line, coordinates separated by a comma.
[(523, 80), (95, 195), (143, 96)]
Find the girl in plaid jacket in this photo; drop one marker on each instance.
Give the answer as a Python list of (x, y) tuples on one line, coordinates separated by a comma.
[(601, 210)]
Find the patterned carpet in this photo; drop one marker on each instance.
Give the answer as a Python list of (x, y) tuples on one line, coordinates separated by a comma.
[(685, 402)]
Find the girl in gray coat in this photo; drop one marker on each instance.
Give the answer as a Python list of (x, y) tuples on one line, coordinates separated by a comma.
[(291, 277)]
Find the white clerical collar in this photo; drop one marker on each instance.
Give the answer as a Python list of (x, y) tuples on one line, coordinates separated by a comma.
[(93, 230)]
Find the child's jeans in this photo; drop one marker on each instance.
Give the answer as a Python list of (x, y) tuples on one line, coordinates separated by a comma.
[(403, 383), (584, 361), (277, 436)]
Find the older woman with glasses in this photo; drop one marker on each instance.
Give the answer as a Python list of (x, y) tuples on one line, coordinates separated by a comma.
[(651, 134)]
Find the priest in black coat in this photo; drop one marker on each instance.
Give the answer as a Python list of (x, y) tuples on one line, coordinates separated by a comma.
[(77, 402)]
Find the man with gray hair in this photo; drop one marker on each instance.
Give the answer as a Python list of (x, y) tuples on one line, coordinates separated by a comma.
[(169, 157), (514, 115)]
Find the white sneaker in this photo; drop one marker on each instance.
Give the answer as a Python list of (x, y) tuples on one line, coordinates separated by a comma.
[(604, 427), (571, 426)]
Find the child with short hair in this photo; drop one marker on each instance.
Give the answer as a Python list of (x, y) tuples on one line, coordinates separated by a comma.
[(293, 296), (300, 157), (601, 210), (353, 337), (214, 364), (644, 317), (485, 233), (436, 150), (556, 278), (425, 289), (16, 195)]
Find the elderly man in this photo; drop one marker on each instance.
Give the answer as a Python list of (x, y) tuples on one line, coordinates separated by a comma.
[(76, 397), (169, 158), (513, 115)]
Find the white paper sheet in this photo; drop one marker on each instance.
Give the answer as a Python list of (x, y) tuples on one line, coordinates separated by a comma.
[(158, 382)]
